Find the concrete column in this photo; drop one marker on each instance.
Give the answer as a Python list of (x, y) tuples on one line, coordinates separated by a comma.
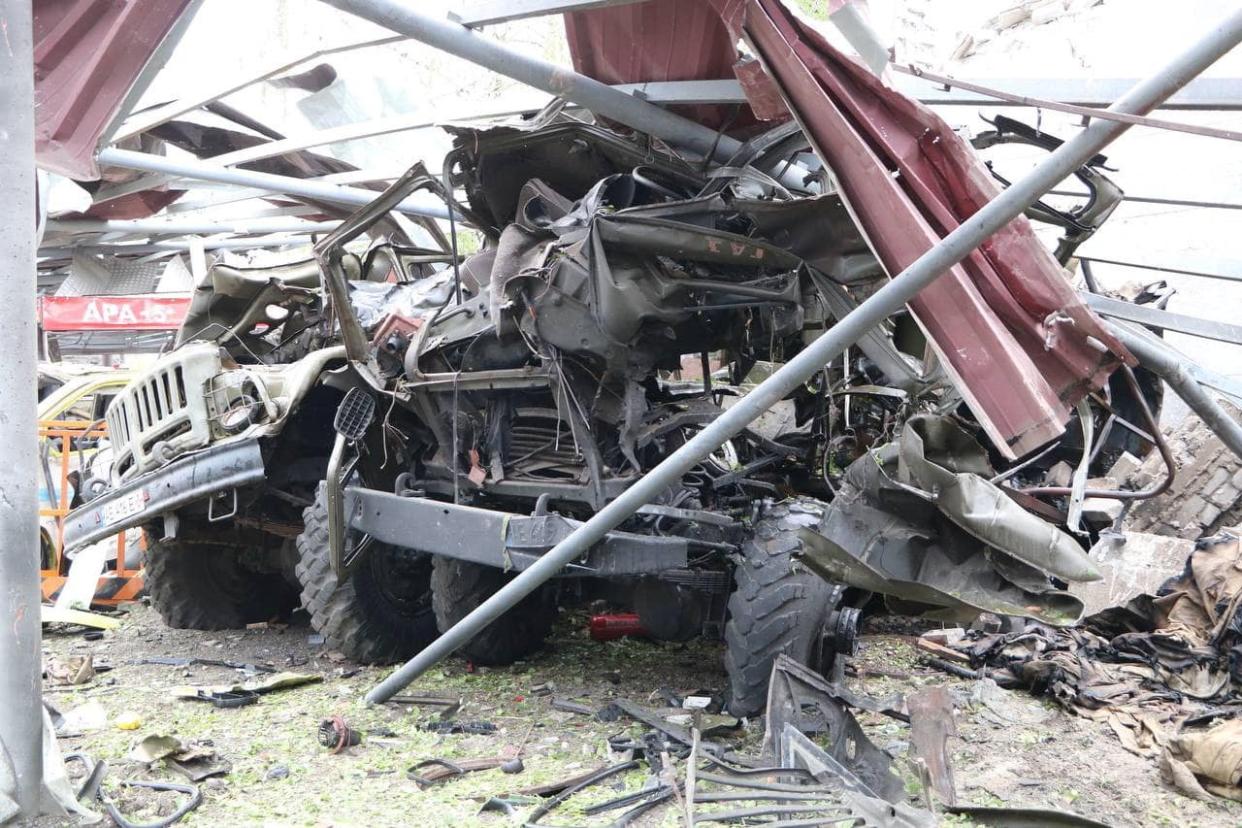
[(20, 684)]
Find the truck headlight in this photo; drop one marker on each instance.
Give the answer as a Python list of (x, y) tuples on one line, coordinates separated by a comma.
[(243, 412)]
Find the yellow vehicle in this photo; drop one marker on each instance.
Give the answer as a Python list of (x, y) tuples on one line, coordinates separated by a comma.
[(70, 432)]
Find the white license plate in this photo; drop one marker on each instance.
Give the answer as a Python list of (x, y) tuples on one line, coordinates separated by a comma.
[(123, 507)]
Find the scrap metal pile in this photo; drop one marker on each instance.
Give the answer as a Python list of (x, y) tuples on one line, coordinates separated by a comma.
[(1163, 670)]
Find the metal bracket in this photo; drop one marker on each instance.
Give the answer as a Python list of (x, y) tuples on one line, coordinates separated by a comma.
[(212, 517), (353, 418)]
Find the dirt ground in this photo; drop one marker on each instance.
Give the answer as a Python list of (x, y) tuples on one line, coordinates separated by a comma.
[(1028, 753)]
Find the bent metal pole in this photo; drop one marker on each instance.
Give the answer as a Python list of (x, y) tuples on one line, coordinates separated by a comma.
[(1170, 366), (884, 302), (21, 717)]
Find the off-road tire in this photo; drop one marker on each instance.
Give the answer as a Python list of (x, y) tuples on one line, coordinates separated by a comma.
[(363, 618), (777, 605), (458, 587), (206, 585)]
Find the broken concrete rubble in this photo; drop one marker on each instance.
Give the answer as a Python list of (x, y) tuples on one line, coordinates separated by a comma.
[(1132, 563)]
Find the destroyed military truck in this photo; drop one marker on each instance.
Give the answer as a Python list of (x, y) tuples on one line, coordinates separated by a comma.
[(219, 446), (465, 413), (623, 299)]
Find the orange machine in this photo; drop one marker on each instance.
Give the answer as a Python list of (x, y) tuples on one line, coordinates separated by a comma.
[(119, 583)]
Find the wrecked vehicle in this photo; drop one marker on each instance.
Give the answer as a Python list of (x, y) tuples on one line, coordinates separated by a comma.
[(218, 447), (624, 297), (622, 301)]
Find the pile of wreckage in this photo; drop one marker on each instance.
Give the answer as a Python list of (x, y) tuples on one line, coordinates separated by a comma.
[(815, 765), (1158, 655), (963, 456)]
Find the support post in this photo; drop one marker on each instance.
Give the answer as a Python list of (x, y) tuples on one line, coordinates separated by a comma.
[(21, 718), (887, 300)]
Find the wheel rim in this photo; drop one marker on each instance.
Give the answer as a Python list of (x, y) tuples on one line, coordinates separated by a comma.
[(402, 578)]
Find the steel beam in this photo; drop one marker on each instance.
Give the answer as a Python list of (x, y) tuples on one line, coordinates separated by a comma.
[(1163, 319), (889, 299), (1206, 267), (1207, 94), (21, 713), (53, 251), (1213, 94), (157, 227), (486, 12), (1009, 98), (599, 98), (416, 205)]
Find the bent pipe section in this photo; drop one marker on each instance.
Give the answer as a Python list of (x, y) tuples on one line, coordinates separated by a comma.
[(1170, 366), (887, 300)]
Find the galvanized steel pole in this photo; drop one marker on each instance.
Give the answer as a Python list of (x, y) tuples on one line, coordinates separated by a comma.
[(21, 718), (415, 205), (456, 39), (883, 303)]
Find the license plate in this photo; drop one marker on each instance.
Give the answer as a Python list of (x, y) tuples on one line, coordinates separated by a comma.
[(123, 507)]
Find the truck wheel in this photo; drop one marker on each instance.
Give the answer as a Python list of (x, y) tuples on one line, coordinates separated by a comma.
[(777, 605), (382, 613), (457, 587), (206, 585)]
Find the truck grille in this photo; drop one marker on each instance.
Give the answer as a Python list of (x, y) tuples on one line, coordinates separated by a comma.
[(163, 413)]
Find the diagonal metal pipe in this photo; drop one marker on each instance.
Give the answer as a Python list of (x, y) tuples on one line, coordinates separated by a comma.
[(456, 39), (416, 205), (889, 299)]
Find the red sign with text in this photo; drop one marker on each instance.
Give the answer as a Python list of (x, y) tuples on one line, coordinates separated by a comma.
[(113, 313)]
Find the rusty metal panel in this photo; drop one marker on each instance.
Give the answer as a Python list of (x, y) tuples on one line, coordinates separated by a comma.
[(669, 40), (87, 56), (1021, 346)]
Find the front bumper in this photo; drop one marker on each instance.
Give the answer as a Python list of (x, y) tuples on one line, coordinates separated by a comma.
[(215, 469), (500, 539)]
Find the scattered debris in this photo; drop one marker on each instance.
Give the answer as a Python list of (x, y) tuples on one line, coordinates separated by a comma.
[(454, 726), (572, 707), (1206, 763), (74, 670), (128, 721), (207, 662), (1131, 563), (431, 771), (801, 698), (335, 735), (196, 761), (62, 615), (270, 684), (931, 725), (616, 625), (92, 789), (1148, 668), (227, 699)]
